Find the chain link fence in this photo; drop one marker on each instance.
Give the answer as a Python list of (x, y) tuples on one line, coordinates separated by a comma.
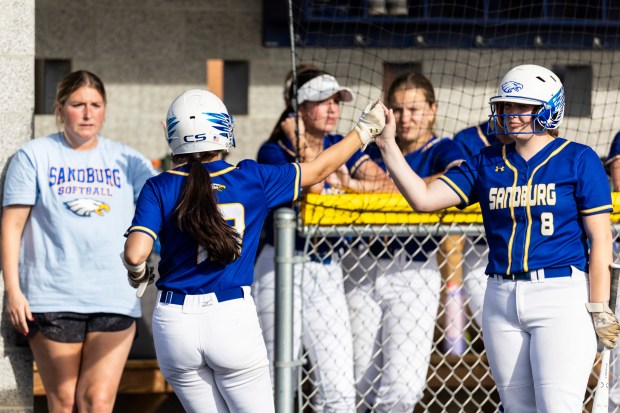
[(413, 297)]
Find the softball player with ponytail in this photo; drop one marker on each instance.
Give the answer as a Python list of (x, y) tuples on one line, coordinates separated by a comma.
[(207, 337), (546, 203)]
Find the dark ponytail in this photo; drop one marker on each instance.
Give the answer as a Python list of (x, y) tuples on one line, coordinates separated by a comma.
[(277, 133), (198, 215)]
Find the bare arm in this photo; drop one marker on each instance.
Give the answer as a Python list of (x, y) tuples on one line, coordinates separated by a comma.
[(421, 196), (138, 246), (614, 171), (598, 229), (329, 160), (368, 126), (13, 222), (372, 178)]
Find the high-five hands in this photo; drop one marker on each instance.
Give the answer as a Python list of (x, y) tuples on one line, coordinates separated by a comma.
[(371, 122), (388, 135)]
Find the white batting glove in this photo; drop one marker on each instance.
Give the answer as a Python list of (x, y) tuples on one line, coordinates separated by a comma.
[(605, 323), (370, 123)]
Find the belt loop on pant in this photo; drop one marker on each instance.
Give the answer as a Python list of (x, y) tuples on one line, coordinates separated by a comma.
[(535, 275), (171, 297)]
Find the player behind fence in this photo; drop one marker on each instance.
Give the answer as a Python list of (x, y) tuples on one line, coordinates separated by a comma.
[(207, 337), (393, 288), (321, 319), (545, 202)]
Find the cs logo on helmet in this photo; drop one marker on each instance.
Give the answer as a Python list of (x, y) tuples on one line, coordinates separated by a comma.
[(195, 138), (512, 86)]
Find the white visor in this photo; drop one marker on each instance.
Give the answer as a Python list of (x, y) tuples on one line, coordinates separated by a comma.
[(321, 88)]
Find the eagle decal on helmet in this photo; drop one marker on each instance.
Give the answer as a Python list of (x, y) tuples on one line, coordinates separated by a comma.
[(512, 86), (84, 207)]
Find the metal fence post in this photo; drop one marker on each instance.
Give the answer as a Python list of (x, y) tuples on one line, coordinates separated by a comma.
[(284, 260)]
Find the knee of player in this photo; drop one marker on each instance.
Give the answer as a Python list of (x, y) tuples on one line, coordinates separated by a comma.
[(96, 399)]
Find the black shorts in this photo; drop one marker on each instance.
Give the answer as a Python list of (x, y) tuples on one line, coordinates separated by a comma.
[(73, 327)]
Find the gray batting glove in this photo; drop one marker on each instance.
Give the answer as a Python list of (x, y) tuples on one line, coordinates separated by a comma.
[(605, 323), (135, 279), (370, 123)]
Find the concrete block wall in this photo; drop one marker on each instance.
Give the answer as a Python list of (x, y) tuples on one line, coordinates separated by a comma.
[(149, 51), (17, 28)]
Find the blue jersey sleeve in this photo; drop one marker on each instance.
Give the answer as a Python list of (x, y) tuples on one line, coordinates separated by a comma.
[(281, 183), (462, 180), (593, 195)]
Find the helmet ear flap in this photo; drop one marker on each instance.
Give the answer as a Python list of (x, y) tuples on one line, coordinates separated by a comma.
[(541, 116), (497, 112)]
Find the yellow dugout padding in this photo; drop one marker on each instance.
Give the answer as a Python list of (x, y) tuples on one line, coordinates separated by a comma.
[(390, 209)]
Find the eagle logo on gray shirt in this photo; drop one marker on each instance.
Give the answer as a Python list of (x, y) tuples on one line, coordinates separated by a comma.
[(84, 207)]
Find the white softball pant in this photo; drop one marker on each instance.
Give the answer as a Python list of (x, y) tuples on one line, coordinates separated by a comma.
[(321, 320), (540, 342), (213, 354), (393, 305)]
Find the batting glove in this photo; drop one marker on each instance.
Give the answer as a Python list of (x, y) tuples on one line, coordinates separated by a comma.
[(605, 323), (135, 279), (137, 274), (370, 123)]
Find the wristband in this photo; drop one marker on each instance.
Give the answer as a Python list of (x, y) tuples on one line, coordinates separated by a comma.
[(598, 307), (133, 268)]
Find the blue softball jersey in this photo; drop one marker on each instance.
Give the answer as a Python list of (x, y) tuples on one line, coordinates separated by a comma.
[(532, 209), (473, 139), (245, 193), (280, 152), (431, 159)]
